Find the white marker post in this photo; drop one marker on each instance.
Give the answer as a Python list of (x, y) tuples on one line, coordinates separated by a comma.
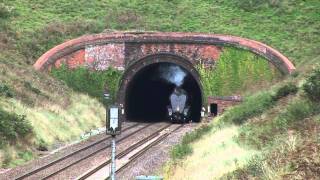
[(113, 128)]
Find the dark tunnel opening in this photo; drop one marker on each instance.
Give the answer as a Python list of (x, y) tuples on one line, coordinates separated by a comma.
[(147, 95)]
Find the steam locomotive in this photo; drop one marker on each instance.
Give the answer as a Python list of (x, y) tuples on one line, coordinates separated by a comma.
[(178, 109)]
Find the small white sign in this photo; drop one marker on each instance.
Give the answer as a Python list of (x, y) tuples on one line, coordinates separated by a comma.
[(114, 118)]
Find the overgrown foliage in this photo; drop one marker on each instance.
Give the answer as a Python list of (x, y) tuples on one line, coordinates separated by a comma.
[(285, 90), (312, 85), (236, 71), (13, 126), (90, 82), (252, 106)]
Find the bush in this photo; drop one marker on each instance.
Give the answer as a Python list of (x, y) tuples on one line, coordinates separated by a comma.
[(84, 80), (252, 106), (312, 85), (285, 90), (13, 126), (6, 91)]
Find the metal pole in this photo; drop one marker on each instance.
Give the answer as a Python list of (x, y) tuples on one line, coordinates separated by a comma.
[(113, 158)]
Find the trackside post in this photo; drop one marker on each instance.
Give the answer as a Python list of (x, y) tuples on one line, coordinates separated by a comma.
[(113, 128)]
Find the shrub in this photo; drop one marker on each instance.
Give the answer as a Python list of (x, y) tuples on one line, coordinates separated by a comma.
[(286, 90), (6, 91), (312, 85), (252, 106), (13, 126)]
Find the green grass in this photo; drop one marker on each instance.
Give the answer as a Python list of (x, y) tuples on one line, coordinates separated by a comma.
[(13, 126), (213, 155), (184, 148), (252, 106), (283, 136), (30, 28), (268, 24)]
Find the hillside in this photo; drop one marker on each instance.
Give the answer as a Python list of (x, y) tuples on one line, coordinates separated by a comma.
[(46, 107)]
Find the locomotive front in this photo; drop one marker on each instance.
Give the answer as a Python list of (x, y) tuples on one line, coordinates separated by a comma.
[(178, 110)]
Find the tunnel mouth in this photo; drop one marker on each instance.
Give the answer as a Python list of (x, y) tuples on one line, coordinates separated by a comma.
[(147, 93)]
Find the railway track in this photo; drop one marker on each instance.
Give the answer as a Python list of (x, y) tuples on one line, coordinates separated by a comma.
[(70, 155), (131, 153)]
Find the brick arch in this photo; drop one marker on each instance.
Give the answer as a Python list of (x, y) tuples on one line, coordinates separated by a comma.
[(139, 64), (162, 57), (120, 49)]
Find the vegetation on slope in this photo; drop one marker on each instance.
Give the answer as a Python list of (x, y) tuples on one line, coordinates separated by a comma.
[(278, 137), (29, 28), (90, 82)]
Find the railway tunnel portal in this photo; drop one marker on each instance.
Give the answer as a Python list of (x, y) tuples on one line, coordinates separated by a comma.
[(140, 55), (147, 84)]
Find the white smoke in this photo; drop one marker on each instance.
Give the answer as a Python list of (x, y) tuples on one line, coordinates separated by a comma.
[(173, 74)]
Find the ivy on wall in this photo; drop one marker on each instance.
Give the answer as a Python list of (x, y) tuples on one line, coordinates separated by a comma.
[(235, 71), (91, 82)]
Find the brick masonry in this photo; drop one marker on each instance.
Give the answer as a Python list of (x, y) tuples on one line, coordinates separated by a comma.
[(223, 102), (120, 49)]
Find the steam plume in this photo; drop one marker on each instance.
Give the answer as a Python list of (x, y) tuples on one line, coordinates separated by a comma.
[(173, 74)]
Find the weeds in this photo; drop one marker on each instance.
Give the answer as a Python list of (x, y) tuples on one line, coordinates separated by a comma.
[(252, 106)]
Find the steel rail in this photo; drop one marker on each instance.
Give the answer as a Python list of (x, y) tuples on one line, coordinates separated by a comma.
[(32, 172), (93, 153), (142, 151), (131, 148)]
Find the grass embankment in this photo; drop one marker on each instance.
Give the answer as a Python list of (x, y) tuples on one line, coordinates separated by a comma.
[(271, 135), (30, 28)]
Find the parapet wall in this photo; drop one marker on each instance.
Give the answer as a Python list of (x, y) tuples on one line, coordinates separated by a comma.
[(121, 49)]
